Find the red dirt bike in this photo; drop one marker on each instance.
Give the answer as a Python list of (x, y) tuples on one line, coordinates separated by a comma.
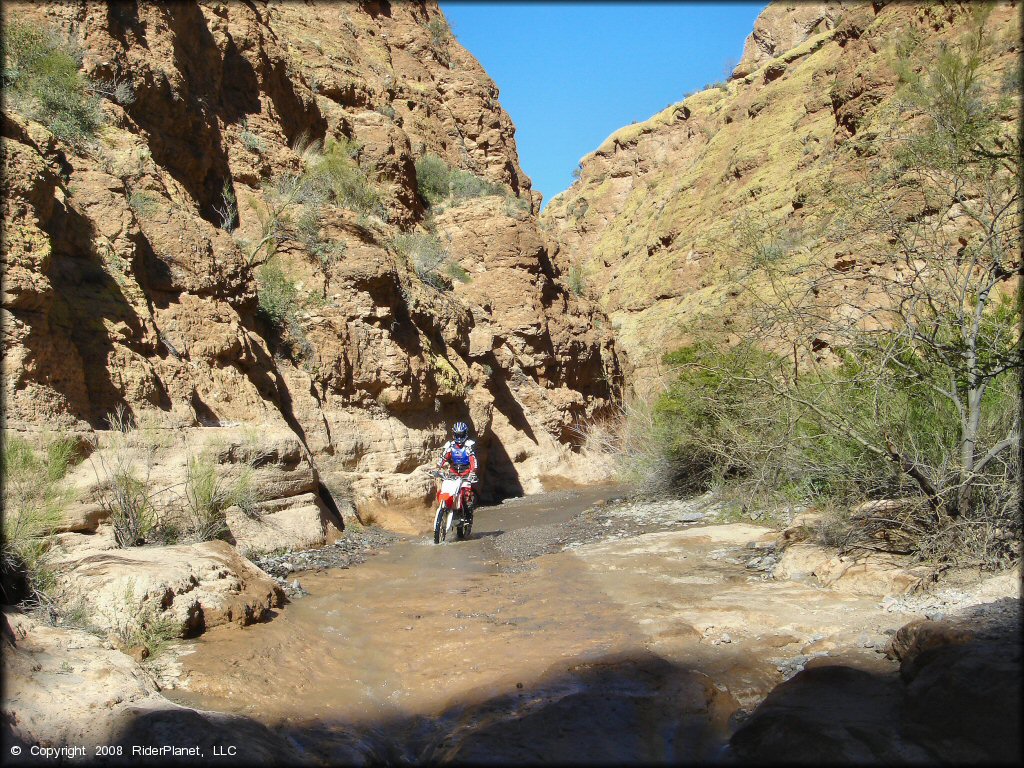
[(454, 505)]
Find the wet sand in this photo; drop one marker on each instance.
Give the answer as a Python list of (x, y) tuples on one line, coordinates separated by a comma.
[(509, 647)]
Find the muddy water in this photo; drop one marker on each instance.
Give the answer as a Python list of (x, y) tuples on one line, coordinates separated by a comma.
[(465, 651)]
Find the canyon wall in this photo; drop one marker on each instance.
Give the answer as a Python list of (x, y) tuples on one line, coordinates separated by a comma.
[(650, 225), (132, 261)]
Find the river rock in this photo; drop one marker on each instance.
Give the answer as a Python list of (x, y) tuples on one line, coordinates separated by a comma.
[(870, 575), (292, 523), (198, 585)]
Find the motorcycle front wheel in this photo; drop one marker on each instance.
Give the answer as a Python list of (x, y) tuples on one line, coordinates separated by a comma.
[(440, 529)]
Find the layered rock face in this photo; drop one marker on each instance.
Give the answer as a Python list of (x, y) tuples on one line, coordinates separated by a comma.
[(651, 222), (129, 286)]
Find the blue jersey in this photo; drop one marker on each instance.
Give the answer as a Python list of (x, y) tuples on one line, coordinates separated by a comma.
[(461, 457)]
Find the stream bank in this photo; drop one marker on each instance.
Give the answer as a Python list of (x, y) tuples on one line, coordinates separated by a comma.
[(578, 627)]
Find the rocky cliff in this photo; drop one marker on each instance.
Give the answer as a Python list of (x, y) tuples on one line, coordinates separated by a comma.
[(166, 270), (650, 226)]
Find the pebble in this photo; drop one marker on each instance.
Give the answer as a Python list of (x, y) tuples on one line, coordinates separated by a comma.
[(351, 549)]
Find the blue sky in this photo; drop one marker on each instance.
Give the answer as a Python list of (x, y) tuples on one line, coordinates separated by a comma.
[(570, 74)]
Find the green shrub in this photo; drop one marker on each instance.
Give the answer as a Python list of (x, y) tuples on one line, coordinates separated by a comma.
[(575, 280), (709, 422), (465, 185), (455, 271), (278, 304), (432, 177), (427, 257), (309, 231), (335, 175), (516, 207), (250, 140), (34, 498), (440, 33), (245, 495), (126, 492), (207, 496), (440, 37), (436, 182), (277, 296), (129, 500), (41, 80), (143, 204)]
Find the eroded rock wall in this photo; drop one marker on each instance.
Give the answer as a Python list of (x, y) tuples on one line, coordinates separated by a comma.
[(650, 224), (124, 289)]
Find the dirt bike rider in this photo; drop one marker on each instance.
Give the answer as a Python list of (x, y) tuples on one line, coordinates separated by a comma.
[(459, 454)]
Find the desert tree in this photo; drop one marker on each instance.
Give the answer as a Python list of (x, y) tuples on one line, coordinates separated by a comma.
[(893, 319)]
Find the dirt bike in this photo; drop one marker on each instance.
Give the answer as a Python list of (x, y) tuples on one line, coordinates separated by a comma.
[(450, 505)]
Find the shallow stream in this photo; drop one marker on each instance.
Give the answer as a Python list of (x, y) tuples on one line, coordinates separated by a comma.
[(512, 646)]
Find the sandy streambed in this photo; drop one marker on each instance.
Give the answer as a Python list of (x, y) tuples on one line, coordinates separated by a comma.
[(560, 631)]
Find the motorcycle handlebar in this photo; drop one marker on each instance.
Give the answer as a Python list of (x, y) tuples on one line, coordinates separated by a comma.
[(444, 475)]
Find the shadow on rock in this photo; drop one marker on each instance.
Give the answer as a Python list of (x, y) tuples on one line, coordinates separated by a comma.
[(954, 700)]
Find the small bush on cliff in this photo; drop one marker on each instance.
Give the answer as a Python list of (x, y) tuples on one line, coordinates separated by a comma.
[(575, 280), (466, 185), (440, 38), (309, 230), (429, 259), (277, 296), (336, 175), (228, 209), (432, 177), (34, 497), (457, 272), (437, 183), (41, 80), (278, 305), (250, 140)]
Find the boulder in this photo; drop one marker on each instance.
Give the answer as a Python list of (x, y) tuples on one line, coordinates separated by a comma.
[(963, 699), (197, 585), (872, 574), (915, 638), (298, 522)]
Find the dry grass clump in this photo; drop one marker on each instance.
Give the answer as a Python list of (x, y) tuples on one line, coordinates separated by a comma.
[(200, 500)]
